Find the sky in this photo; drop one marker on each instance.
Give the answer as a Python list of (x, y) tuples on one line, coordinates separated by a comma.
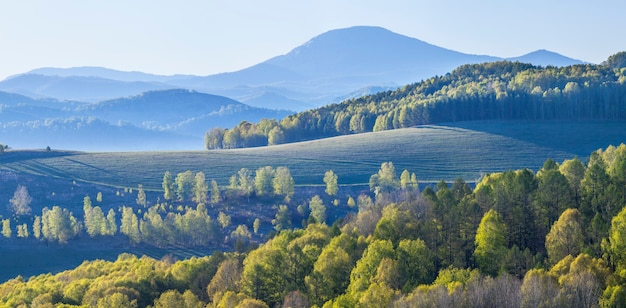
[(208, 37)]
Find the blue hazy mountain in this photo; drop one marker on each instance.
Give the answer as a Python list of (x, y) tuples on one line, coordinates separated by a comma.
[(339, 62), (155, 120), (327, 67), (342, 61), (106, 73), (544, 57), (180, 111), (80, 88)]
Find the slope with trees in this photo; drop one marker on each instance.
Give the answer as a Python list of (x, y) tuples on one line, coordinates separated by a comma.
[(489, 91), (447, 245)]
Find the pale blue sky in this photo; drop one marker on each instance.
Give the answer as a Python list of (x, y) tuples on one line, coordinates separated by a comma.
[(206, 37)]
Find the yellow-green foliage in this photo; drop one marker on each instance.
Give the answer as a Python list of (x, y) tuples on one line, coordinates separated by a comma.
[(416, 238), (128, 281)]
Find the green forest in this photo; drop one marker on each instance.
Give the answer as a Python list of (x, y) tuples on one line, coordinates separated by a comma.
[(489, 91), (520, 238)]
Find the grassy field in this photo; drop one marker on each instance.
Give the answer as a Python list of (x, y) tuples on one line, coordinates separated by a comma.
[(433, 152)]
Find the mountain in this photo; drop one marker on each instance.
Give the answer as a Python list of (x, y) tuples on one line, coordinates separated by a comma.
[(106, 73), (155, 120), (371, 53), (91, 134), (339, 62), (180, 111), (544, 57), (80, 88), (328, 67), (16, 107)]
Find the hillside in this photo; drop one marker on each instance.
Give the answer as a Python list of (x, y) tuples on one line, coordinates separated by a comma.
[(516, 239), (473, 92), (433, 152)]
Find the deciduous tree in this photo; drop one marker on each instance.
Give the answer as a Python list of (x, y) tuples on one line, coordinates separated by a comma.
[(405, 179), (226, 278), (282, 221), (283, 183), (318, 210), (141, 196), (6, 228), (263, 181), (185, 185), (20, 203), (367, 266), (216, 195), (59, 224), (37, 227), (615, 245), (200, 188), (168, 186), (330, 179), (386, 179), (130, 225), (565, 236), (574, 171), (223, 219), (539, 289), (256, 225), (490, 243), (22, 231), (276, 136), (246, 181)]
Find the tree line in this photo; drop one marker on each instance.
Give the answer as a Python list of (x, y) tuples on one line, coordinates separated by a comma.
[(519, 238), (490, 91), (182, 219)]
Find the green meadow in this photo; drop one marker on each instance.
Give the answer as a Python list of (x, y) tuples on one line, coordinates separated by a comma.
[(433, 152)]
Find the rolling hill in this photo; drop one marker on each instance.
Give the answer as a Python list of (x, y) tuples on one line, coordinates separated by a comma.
[(433, 152)]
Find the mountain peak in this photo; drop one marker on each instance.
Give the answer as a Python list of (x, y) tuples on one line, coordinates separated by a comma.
[(372, 53), (545, 57), (357, 36)]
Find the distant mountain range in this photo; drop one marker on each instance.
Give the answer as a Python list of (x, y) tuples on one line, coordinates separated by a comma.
[(167, 119), (321, 71), (95, 108)]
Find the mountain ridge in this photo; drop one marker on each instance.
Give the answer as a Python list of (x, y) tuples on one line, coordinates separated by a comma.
[(166, 119), (318, 72)]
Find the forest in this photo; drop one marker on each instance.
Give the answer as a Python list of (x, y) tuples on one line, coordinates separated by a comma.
[(519, 238), (489, 91)]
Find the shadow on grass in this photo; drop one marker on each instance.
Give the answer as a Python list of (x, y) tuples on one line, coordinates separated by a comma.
[(577, 137), (21, 155)]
